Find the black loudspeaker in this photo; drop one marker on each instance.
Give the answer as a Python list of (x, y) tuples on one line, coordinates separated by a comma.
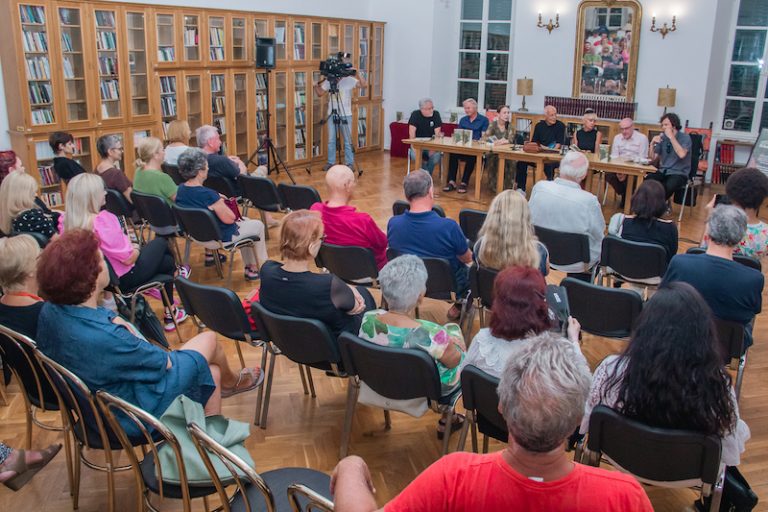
[(265, 52)]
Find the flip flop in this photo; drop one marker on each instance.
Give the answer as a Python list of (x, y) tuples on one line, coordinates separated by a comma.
[(256, 382), (456, 425), (25, 472), (462, 189), (450, 187)]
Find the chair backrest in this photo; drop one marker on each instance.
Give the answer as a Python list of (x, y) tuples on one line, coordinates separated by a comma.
[(117, 204), (218, 308), (298, 197), (440, 279), (697, 147), (18, 352), (478, 391), (173, 172), (349, 263), (314, 501), (40, 238), (731, 338), (261, 192), (471, 221), (302, 340), (199, 223), (400, 206), (633, 260), (747, 261), (221, 185), (481, 282), (395, 373), (602, 311), (154, 209), (564, 248), (654, 454)]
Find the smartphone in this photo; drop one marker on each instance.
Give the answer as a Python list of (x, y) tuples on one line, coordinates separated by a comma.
[(721, 199)]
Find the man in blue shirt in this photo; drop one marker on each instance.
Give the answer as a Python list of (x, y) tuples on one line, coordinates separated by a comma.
[(478, 124), (422, 232)]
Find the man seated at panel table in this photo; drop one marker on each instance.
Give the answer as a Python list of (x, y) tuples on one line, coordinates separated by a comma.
[(562, 205), (343, 224), (425, 122), (629, 145), (222, 166), (478, 123), (542, 393), (422, 232), (549, 133)]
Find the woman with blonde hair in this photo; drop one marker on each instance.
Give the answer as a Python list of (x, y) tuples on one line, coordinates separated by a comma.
[(20, 305), (111, 150), (588, 138), (499, 132), (149, 179), (19, 210), (507, 237), (178, 138), (133, 267)]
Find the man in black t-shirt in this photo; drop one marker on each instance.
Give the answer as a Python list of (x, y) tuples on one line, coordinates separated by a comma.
[(425, 122), (549, 132), (227, 167)]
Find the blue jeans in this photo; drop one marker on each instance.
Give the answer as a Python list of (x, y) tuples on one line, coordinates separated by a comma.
[(428, 163), (345, 128)]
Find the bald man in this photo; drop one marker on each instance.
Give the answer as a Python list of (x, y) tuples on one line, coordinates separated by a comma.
[(344, 225), (550, 133), (628, 145)]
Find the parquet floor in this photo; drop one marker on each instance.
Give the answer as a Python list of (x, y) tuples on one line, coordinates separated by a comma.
[(306, 432)]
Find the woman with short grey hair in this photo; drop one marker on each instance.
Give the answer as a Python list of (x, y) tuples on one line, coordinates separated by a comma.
[(111, 150), (403, 284)]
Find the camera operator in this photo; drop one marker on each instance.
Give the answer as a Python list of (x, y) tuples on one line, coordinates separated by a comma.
[(345, 87)]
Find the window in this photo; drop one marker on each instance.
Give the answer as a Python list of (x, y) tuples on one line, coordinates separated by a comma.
[(484, 39), (746, 98)]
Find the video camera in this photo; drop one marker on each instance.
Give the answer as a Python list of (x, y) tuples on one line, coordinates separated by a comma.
[(335, 67)]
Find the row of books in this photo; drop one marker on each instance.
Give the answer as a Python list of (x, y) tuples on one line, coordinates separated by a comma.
[(38, 68), (106, 40), (298, 35), (40, 93), (69, 16), (52, 199), (300, 138), (606, 109), (69, 67), (43, 150), (105, 19), (191, 37), (110, 89), (217, 53), (298, 52), (221, 124), (66, 42), (35, 41), (110, 110), (48, 176), (42, 116), (216, 36), (261, 121), (168, 106), (219, 105), (300, 117), (301, 153), (261, 101), (166, 54), (217, 83), (300, 98), (108, 66), (261, 80), (167, 84), (32, 14), (300, 80)]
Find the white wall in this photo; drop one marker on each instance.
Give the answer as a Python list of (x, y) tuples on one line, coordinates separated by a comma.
[(5, 140)]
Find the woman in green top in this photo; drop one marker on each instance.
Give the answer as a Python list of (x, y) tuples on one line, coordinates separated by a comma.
[(149, 179), (403, 284), (500, 131)]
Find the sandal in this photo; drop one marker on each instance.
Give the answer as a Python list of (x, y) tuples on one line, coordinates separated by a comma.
[(450, 187), (456, 425), (462, 188), (237, 389), (25, 472)]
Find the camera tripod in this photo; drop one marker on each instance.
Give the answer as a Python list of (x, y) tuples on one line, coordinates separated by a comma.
[(339, 118)]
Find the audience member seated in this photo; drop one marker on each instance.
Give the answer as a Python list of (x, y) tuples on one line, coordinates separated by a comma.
[(132, 265), (10, 162), (500, 132), (149, 178), (219, 165), (519, 311), (63, 147), (541, 396), (645, 224), (17, 467), (671, 375), (178, 138), (588, 138), (19, 211), (344, 225), (292, 289), (747, 189), (108, 353), (673, 148), (548, 133), (19, 305), (425, 122), (507, 237), (628, 146), (422, 232), (193, 168), (478, 123), (111, 150), (733, 291), (563, 206)]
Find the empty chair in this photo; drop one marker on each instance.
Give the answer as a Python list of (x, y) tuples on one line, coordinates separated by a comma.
[(635, 262), (221, 185), (118, 205), (478, 392), (731, 337), (156, 212), (564, 248), (690, 191), (471, 221), (354, 265), (609, 312), (298, 197), (656, 456), (173, 172), (261, 193), (739, 258), (399, 207)]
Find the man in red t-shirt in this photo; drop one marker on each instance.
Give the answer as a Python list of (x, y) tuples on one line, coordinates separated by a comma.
[(541, 396), (344, 225)]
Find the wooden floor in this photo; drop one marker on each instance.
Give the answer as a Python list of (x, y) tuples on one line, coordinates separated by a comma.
[(305, 432)]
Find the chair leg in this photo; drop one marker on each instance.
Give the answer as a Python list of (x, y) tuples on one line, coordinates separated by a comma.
[(474, 437), (78, 462), (110, 487), (134, 298), (481, 310), (271, 373), (240, 354), (717, 492), (231, 265), (463, 434), (311, 382), (682, 206), (187, 249), (353, 389), (387, 420), (68, 454), (266, 229), (447, 433), (260, 397), (303, 379), (740, 375), (485, 443), (217, 263), (167, 300)]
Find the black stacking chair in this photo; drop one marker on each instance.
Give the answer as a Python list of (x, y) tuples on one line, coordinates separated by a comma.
[(399, 207), (395, 373), (731, 337), (609, 312), (298, 197), (278, 490), (688, 197), (634, 262), (655, 456), (478, 391), (262, 194), (564, 248), (40, 238), (471, 221), (304, 341), (173, 172), (118, 205), (481, 282), (352, 264), (739, 258), (157, 213), (221, 185)]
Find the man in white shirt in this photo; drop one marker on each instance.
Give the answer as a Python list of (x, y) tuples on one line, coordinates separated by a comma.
[(342, 108), (562, 205), (628, 145)]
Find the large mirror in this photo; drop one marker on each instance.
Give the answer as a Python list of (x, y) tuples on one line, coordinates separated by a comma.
[(607, 43)]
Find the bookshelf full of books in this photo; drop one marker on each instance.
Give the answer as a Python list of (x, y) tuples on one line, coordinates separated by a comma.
[(374, 126), (300, 93), (299, 40), (216, 39), (242, 123), (239, 39), (168, 101), (165, 32), (194, 102), (73, 66), (262, 108), (261, 28), (319, 109), (219, 105), (281, 118), (191, 32), (50, 186), (35, 43), (349, 39), (361, 122), (317, 41), (334, 38), (280, 39), (136, 36), (377, 61), (108, 65), (363, 44)]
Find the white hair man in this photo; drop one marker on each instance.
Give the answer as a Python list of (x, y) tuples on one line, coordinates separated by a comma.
[(562, 205), (425, 122), (227, 167), (478, 123), (542, 393), (628, 145)]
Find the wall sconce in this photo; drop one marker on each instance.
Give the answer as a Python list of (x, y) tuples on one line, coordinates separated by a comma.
[(666, 98), (524, 88), (550, 26), (664, 30)]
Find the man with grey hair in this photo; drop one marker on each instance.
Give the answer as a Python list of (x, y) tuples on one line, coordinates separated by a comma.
[(563, 206), (733, 291), (542, 393), (627, 146), (548, 133), (219, 165), (422, 232), (425, 122), (478, 123)]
